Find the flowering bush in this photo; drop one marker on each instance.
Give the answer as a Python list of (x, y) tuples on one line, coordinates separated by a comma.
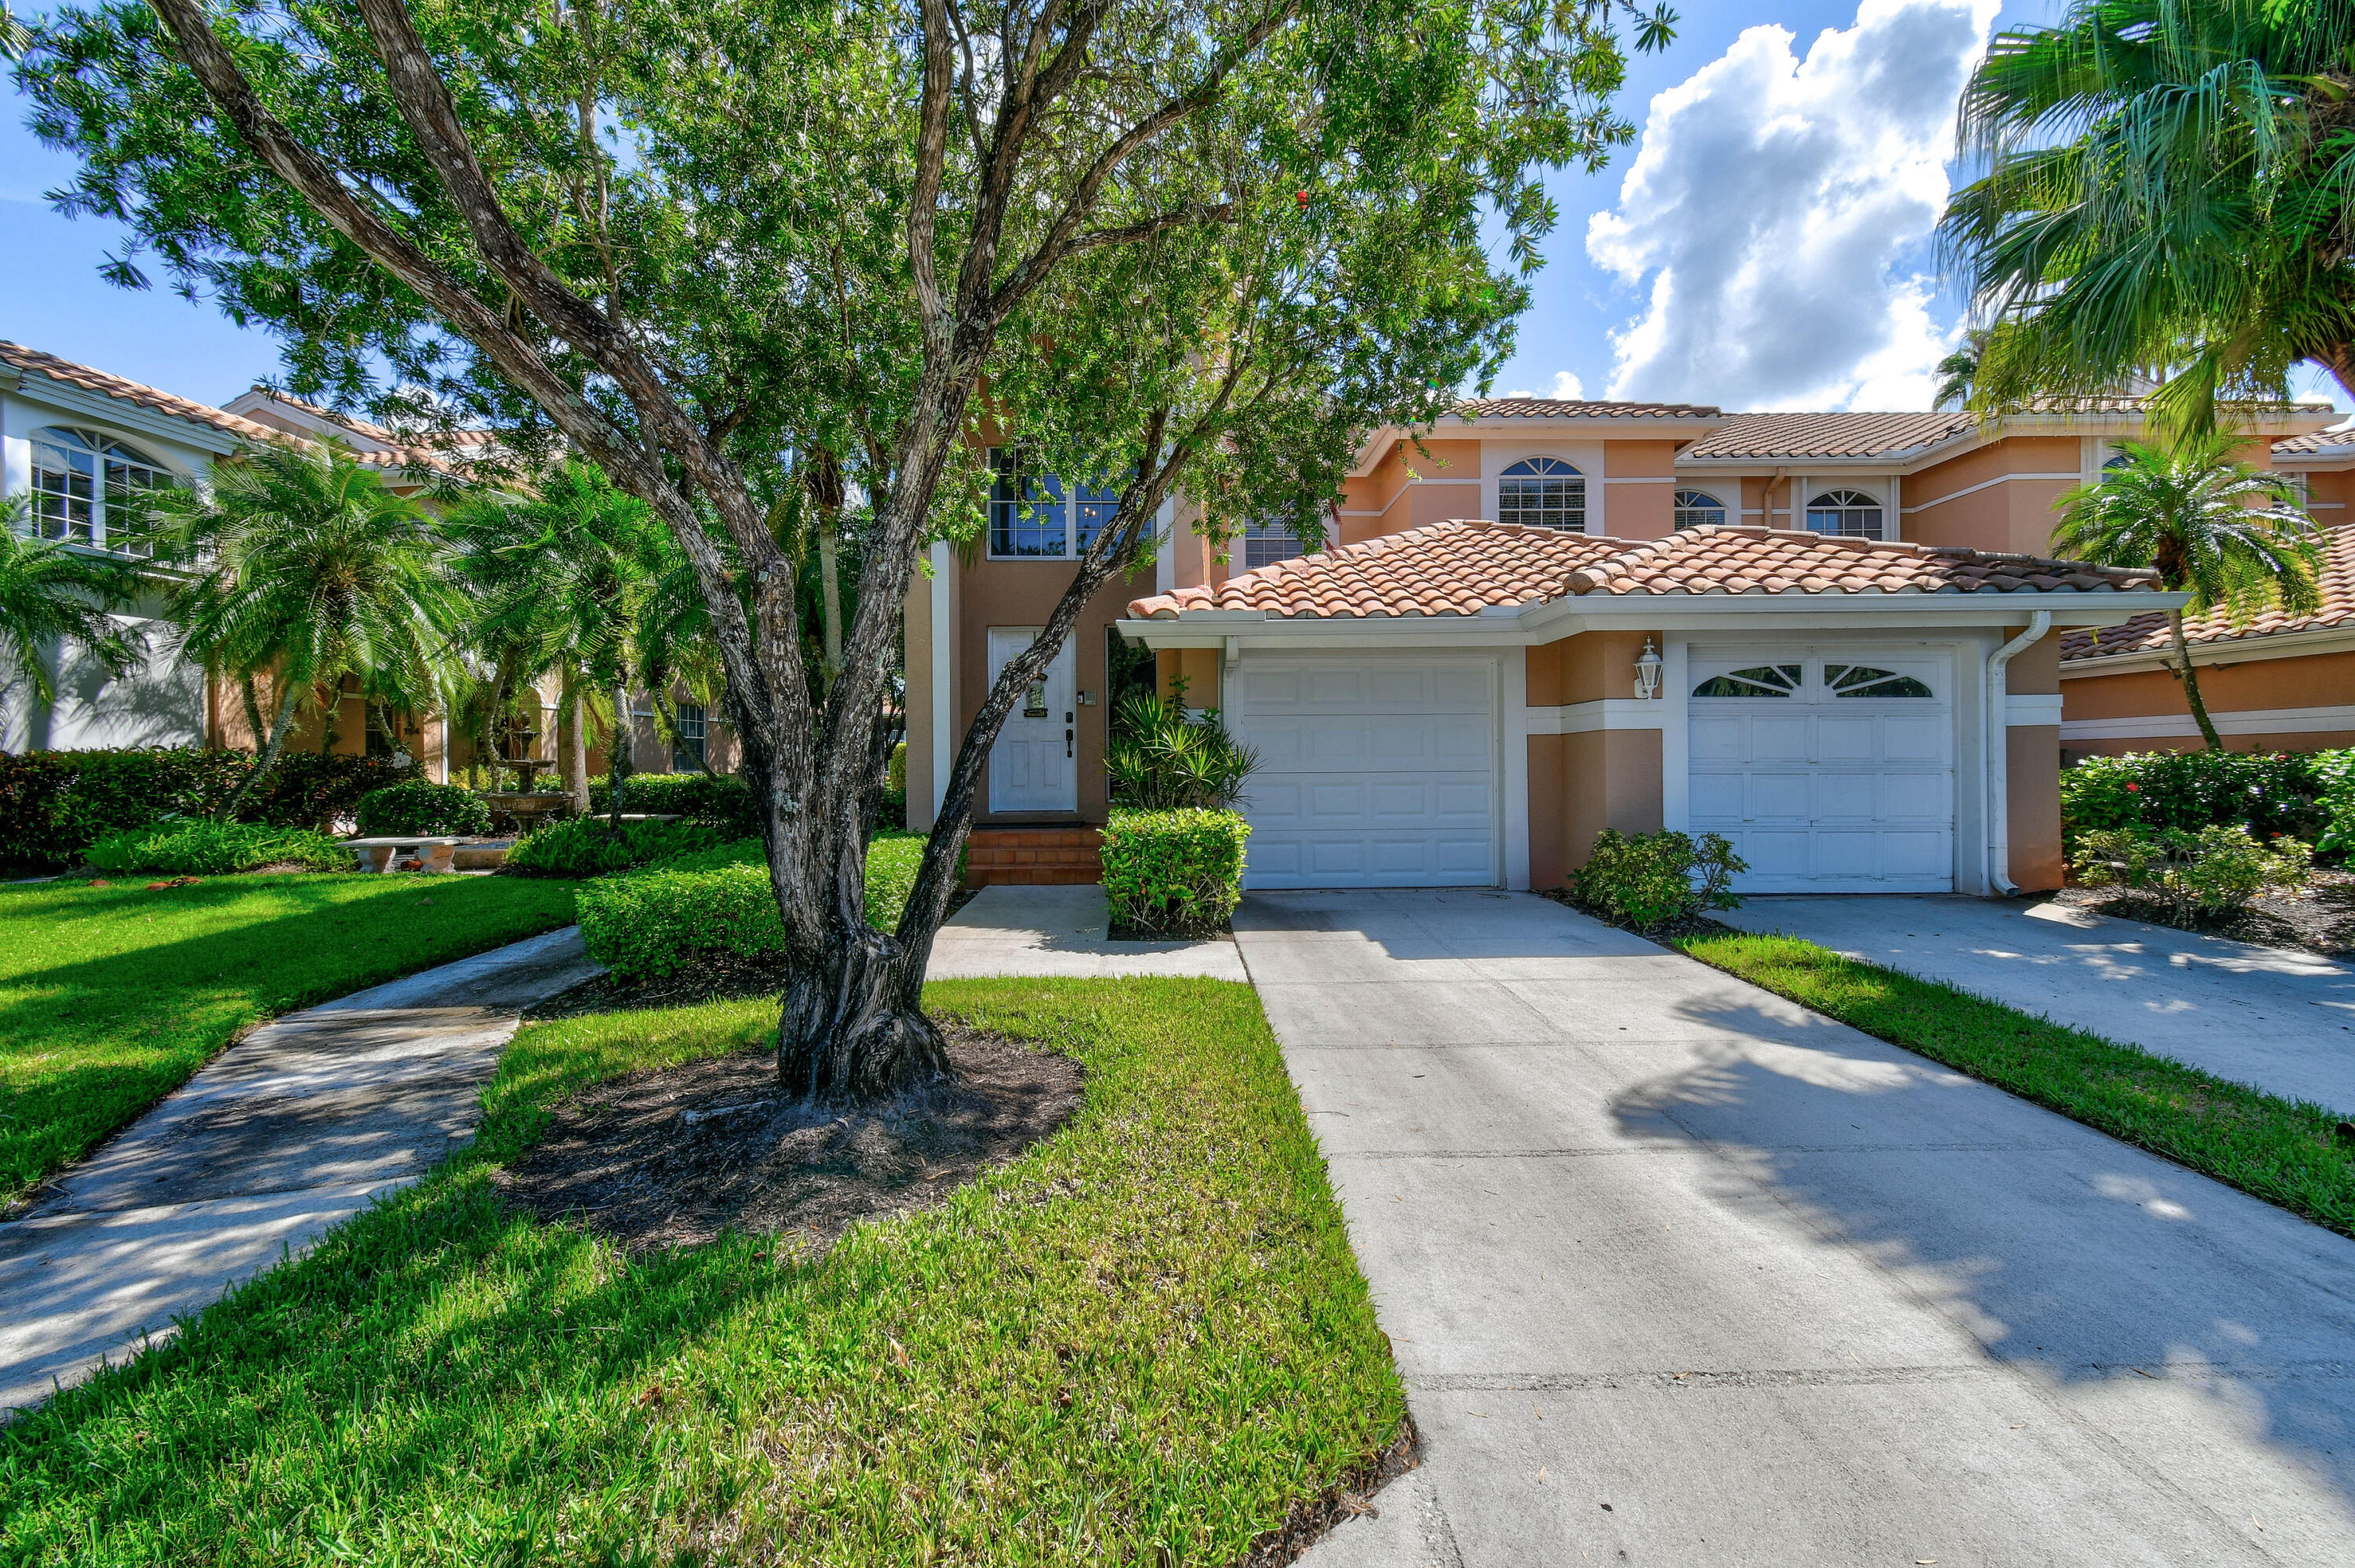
[(2219, 869), (2268, 793)]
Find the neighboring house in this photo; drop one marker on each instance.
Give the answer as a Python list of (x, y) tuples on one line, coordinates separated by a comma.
[(2278, 683), (85, 443), (1817, 602)]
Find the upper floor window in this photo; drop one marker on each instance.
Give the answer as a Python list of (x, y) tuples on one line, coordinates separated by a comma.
[(686, 753), (87, 487), (1542, 492), (1850, 514), (1699, 509), (1036, 515), (1264, 543)]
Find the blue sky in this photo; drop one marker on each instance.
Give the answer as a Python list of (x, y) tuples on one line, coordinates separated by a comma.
[(1762, 245)]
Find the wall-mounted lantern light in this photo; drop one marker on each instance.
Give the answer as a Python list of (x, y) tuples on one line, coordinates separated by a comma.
[(1648, 673)]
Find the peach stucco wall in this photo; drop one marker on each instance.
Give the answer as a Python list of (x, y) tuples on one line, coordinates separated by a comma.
[(1584, 669), (2008, 514), (2312, 681), (2033, 806), (1581, 784), (1640, 480)]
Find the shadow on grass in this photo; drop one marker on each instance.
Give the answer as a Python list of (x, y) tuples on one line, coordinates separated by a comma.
[(1147, 1333)]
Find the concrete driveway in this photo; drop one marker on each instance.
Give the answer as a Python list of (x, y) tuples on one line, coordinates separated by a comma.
[(2282, 1020), (1678, 1272)]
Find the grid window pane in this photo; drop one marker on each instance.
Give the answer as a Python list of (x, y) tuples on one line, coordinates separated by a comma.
[(1849, 513), (1027, 512), (689, 752), (91, 489), (1264, 543), (65, 493), (128, 483), (1699, 509), (1542, 492), (1091, 509)]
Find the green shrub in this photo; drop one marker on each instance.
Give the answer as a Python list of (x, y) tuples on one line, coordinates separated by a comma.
[(587, 846), (417, 807), (2335, 772), (722, 802), (199, 846), (1163, 757), (1176, 872), (714, 911), (53, 804), (2268, 793), (1651, 882), (2212, 872)]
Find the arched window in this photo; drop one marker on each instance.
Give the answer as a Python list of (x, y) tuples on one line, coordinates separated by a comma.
[(1757, 681), (87, 485), (1850, 514), (1866, 681), (1699, 509), (1542, 492)]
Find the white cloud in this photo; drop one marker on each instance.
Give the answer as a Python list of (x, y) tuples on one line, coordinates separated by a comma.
[(1773, 203), (1565, 386)]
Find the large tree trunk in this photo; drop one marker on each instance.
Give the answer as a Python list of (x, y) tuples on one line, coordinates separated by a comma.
[(620, 763), (2338, 358), (2191, 679), (573, 759)]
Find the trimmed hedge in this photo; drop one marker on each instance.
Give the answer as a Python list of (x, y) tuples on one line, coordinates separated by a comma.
[(587, 846), (1177, 872), (2276, 793), (417, 807), (199, 846), (54, 804), (715, 911), (722, 802)]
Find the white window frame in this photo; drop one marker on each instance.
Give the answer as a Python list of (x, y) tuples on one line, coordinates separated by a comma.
[(1681, 506), (1578, 496), (1265, 533), (1070, 500), (1846, 498), (100, 451)]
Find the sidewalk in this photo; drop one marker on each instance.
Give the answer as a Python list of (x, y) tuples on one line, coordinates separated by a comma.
[(1059, 931), (287, 1133)]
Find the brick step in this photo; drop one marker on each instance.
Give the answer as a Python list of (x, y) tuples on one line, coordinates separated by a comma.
[(1032, 857)]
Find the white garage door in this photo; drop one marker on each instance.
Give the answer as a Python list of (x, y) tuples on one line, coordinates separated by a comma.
[(1831, 773), (1373, 772)]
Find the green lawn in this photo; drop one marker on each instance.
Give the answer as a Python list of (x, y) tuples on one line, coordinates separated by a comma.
[(2283, 1151), (1137, 1344), (110, 997)]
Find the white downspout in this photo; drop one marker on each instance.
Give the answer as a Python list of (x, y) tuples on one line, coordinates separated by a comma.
[(1996, 754)]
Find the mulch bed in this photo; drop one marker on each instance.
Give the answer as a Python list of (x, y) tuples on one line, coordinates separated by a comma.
[(2320, 920), (673, 1158)]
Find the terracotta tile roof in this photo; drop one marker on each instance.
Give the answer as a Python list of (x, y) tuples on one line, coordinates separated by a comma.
[(1825, 435), (1463, 567), (1573, 409), (2331, 440), (34, 361), (2148, 633)]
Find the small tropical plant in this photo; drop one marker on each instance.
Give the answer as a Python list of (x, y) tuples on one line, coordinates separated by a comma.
[(53, 597), (305, 570), (1651, 882), (199, 846), (1162, 756), (2206, 873), (2184, 510)]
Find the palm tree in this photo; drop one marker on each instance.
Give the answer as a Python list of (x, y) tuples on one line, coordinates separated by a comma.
[(306, 570), (2184, 512), (16, 38), (54, 597), (561, 579), (2166, 184)]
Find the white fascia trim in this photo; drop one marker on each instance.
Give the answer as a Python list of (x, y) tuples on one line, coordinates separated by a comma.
[(1991, 483), (101, 409), (1603, 713), (2231, 649), (2245, 721), (2026, 709)]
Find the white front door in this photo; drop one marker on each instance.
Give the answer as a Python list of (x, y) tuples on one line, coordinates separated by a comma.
[(1035, 765), (1832, 772), (1373, 772)]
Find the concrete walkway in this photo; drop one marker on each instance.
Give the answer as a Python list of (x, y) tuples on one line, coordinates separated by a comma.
[(1678, 1272), (1061, 931), (288, 1132), (2280, 1020)]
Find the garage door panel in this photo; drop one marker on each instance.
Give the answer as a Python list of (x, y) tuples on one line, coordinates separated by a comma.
[(1821, 792), (1373, 772)]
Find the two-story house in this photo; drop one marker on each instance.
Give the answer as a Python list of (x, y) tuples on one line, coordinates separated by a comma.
[(1834, 638)]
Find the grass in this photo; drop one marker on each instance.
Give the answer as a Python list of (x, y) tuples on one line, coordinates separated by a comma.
[(2287, 1152), (1138, 1343), (110, 997)]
